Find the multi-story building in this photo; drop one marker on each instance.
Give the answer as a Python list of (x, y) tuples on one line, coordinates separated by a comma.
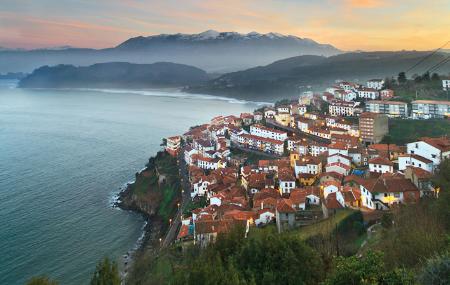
[(173, 145), (376, 84), (390, 108), (446, 84), (368, 93), (427, 109), (262, 131), (373, 127), (342, 108), (262, 144)]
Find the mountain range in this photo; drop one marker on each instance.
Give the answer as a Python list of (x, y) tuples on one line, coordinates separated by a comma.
[(211, 50)]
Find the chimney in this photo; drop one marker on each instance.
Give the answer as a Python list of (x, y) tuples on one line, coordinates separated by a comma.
[(262, 205)]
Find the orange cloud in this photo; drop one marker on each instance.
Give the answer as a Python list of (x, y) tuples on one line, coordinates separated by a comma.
[(366, 3)]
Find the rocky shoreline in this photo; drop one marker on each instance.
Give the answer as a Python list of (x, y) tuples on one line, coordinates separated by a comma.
[(147, 205)]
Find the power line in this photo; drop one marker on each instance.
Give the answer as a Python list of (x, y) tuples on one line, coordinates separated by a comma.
[(426, 57), (439, 64)]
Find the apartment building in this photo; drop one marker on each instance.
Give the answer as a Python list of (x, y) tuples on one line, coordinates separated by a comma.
[(390, 108), (428, 109), (373, 127)]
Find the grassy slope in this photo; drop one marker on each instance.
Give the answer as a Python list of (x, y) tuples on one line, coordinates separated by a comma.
[(404, 131)]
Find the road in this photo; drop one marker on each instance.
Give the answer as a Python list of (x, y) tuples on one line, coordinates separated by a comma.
[(185, 197)]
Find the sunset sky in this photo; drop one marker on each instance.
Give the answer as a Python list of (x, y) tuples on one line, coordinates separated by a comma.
[(346, 24)]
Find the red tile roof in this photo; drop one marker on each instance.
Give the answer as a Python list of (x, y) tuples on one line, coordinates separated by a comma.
[(284, 206)]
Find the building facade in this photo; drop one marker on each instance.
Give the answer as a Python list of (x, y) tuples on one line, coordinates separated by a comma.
[(373, 127), (428, 109), (390, 108)]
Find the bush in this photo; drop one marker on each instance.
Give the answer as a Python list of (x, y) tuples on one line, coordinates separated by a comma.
[(436, 270)]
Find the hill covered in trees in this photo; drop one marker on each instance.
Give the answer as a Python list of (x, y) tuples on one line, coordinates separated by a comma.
[(114, 75), (288, 77)]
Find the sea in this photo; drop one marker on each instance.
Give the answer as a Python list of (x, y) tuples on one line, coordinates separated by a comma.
[(64, 156)]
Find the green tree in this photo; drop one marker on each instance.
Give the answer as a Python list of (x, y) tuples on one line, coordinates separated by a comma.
[(369, 269), (41, 280), (426, 76), (106, 273), (401, 78), (435, 77)]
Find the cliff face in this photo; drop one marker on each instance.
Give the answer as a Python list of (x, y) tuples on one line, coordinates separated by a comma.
[(156, 191)]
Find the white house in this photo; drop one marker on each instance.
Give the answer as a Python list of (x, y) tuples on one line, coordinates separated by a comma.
[(308, 165), (264, 216), (283, 109), (376, 84), (342, 108), (200, 188), (381, 165), (368, 93), (261, 131), (286, 181), (339, 158), (415, 160), (330, 187), (269, 113), (338, 167), (210, 163), (434, 149), (446, 84), (337, 147)]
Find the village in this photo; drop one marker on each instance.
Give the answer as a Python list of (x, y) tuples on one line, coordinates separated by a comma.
[(302, 161)]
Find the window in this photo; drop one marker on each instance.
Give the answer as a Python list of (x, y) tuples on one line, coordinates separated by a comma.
[(433, 156), (397, 195), (385, 195)]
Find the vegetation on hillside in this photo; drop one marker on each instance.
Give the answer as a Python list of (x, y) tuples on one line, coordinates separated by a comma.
[(106, 273), (156, 189), (403, 131), (419, 87)]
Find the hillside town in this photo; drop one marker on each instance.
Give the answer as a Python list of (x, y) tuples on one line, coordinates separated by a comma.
[(302, 161)]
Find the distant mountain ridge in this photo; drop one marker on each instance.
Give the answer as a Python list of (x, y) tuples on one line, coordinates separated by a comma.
[(210, 50), (115, 75), (288, 77)]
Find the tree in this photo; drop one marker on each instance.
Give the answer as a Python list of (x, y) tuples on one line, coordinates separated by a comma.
[(426, 76), (369, 269), (401, 78), (106, 273), (41, 280), (435, 77)]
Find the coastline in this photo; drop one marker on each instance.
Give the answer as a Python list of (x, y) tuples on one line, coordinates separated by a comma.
[(154, 228)]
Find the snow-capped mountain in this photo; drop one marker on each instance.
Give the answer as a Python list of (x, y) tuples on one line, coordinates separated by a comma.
[(211, 36), (210, 50)]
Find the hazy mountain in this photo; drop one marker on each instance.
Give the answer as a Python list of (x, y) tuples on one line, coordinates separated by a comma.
[(288, 77), (114, 75), (210, 50)]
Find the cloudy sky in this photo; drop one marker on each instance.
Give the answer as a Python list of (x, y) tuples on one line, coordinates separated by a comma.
[(346, 24)]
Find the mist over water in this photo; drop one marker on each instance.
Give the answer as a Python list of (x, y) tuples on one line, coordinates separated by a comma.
[(63, 156)]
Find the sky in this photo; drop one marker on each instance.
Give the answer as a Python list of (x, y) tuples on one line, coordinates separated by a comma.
[(346, 24)]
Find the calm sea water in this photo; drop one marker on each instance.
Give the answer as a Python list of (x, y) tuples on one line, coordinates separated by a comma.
[(63, 156)]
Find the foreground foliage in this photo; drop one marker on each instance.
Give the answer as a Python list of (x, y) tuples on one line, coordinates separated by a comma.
[(41, 280), (106, 273)]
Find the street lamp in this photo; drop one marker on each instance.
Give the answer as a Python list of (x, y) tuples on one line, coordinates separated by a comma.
[(170, 221)]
